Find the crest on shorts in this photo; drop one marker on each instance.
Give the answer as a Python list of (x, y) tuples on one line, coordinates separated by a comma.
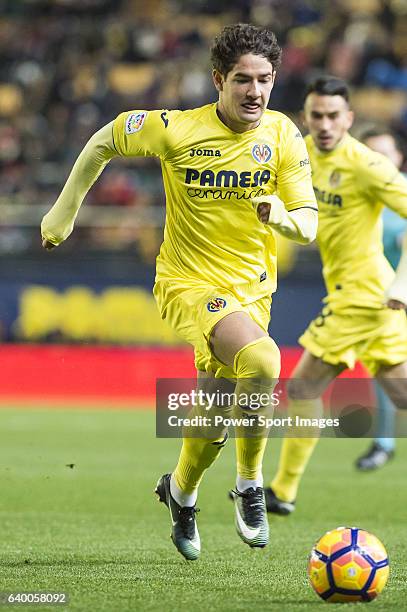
[(335, 179), (216, 304), (261, 153), (134, 122)]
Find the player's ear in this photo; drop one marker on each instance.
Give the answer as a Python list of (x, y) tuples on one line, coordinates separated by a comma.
[(351, 117), (273, 77), (303, 119), (217, 79)]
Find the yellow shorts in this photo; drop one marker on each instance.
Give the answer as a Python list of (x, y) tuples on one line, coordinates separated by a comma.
[(344, 335), (192, 310)]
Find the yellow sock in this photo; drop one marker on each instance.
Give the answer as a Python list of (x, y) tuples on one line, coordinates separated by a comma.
[(257, 367), (294, 456), (296, 452), (197, 454), (249, 457)]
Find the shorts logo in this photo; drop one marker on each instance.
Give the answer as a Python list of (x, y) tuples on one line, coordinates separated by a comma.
[(216, 304), (134, 122), (261, 153)]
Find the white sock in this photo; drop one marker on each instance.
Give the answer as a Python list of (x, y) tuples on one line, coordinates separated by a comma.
[(182, 498), (242, 484)]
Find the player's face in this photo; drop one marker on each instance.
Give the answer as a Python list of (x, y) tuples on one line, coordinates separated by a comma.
[(386, 145), (245, 92), (328, 119)]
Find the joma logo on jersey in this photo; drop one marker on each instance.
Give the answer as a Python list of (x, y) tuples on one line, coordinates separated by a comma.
[(205, 153), (328, 198), (261, 153), (227, 178), (216, 304)]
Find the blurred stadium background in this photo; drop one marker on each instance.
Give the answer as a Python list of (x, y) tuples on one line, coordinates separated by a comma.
[(85, 313), (79, 327)]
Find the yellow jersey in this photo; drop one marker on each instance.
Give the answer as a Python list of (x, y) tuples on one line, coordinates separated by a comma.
[(210, 174), (351, 184)]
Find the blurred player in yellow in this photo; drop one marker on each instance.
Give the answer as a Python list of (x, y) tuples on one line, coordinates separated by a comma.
[(363, 317), (227, 168), (382, 140)]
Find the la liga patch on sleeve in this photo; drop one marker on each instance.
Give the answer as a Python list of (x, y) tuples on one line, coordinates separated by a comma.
[(134, 122)]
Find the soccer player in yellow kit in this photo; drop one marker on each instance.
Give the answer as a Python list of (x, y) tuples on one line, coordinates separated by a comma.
[(363, 317), (233, 173)]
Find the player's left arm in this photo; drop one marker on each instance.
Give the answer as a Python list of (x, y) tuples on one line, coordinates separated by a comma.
[(298, 225), (386, 184), (293, 211)]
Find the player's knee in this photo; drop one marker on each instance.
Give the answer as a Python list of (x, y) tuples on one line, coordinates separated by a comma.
[(398, 395), (259, 360), (299, 389)]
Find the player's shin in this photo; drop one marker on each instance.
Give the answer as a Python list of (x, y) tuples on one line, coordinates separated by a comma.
[(251, 439), (197, 455), (200, 448), (257, 366), (296, 451)]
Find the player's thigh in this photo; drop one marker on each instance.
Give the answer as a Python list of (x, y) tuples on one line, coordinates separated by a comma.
[(311, 376), (232, 333), (192, 310), (338, 335), (388, 347), (393, 379)]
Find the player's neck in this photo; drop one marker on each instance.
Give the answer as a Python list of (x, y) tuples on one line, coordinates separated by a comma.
[(338, 145), (235, 126)]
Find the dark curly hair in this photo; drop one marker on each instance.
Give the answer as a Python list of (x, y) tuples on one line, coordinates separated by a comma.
[(239, 39)]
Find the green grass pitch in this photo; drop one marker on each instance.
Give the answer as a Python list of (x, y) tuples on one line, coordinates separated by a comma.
[(78, 514)]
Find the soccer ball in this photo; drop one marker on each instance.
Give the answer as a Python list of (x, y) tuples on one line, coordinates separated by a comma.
[(348, 564)]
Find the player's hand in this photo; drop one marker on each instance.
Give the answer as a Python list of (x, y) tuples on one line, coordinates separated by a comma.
[(270, 209), (395, 305), (48, 245), (396, 295), (263, 212)]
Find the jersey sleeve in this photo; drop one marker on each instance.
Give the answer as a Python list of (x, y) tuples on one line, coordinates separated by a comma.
[(140, 133), (294, 184), (380, 178)]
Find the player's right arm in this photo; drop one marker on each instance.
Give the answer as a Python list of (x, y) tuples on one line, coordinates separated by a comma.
[(58, 223), (135, 133)]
